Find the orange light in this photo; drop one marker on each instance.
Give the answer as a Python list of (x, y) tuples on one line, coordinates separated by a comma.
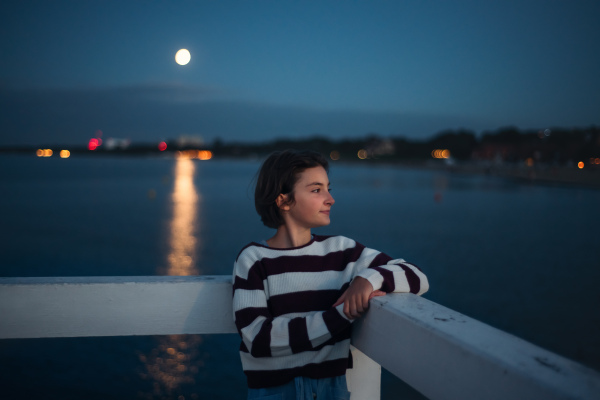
[(204, 155), (192, 154), (439, 153), (65, 154), (598, 161), (529, 162), (162, 146), (39, 153), (362, 154), (580, 164), (48, 153)]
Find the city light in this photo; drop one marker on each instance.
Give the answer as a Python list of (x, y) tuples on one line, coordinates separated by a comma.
[(440, 153), (191, 154), (362, 154), (44, 153), (93, 144), (204, 155), (65, 154), (334, 155), (162, 146), (580, 165)]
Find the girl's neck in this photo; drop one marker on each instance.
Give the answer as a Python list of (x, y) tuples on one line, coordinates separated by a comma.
[(286, 238)]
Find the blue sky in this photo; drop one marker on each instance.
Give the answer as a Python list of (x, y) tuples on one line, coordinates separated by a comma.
[(266, 69)]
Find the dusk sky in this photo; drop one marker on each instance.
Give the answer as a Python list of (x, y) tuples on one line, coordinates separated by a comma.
[(266, 69)]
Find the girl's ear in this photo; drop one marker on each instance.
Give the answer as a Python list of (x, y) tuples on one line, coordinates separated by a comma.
[(282, 202)]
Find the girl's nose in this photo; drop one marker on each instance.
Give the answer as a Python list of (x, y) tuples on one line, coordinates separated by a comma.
[(330, 200)]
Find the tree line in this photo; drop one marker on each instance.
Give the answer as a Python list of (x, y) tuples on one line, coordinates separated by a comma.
[(507, 145)]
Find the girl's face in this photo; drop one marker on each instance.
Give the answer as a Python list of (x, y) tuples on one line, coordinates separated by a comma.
[(312, 203)]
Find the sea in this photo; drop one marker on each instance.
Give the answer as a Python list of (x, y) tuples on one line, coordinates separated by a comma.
[(522, 257)]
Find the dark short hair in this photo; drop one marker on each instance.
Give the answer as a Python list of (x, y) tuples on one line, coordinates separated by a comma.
[(278, 175)]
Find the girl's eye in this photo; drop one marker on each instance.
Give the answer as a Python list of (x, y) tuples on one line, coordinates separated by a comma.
[(316, 190)]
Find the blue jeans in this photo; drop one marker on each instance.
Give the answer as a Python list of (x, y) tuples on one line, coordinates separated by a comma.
[(302, 388)]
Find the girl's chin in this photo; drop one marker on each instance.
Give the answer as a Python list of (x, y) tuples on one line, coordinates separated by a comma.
[(326, 223)]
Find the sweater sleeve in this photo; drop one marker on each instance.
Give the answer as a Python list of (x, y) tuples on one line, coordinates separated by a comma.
[(389, 275), (266, 336)]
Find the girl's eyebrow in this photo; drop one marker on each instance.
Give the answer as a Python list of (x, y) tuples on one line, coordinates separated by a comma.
[(318, 184)]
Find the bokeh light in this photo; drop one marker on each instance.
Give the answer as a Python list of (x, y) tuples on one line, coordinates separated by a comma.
[(191, 154), (162, 146), (65, 154), (580, 165), (334, 155), (93, 144), (440, 153), (44, 152), (362, 154), (204, 155)]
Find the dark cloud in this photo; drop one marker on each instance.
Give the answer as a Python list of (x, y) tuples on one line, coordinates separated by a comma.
[(145, 113)]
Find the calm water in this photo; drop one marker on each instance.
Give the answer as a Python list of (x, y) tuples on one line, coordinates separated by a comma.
[(523, 258)]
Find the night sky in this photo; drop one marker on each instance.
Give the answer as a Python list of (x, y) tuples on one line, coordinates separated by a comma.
[(266, 69)]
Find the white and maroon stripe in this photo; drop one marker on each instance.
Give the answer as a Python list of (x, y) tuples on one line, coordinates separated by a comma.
[(276, 294)]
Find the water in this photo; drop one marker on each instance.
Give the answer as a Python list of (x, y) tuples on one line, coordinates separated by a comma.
[(519, 257)]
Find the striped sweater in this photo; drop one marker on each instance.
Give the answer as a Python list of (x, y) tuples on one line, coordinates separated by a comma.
[(282, 304)]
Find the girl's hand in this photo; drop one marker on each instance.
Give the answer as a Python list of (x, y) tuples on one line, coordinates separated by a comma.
[(377, 293), (356, 297)]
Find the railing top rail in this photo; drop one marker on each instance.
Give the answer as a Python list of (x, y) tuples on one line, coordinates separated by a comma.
[(440, 352)]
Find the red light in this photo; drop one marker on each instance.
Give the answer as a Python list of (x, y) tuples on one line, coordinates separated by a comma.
[(93, 144), (162, 146)]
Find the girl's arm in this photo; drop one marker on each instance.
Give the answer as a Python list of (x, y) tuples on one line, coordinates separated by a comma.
[(389, 275), (376, 274)]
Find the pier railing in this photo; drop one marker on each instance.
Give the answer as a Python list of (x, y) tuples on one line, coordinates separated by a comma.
[(438, 351)]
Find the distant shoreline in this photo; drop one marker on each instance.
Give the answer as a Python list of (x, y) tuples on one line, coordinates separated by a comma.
[(536, 174), (544, 174)]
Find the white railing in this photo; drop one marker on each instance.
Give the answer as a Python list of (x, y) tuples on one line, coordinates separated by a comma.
[(440, 352)]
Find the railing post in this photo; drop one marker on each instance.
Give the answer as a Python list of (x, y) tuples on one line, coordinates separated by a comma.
[(364, 378)]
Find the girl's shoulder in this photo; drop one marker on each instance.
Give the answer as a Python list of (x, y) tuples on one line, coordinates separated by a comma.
[(335, 241), (252, 249)]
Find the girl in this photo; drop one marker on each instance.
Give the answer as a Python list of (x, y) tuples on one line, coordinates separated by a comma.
[(296, 294)]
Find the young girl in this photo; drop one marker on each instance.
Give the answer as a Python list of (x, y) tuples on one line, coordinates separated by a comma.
[(296, 294)]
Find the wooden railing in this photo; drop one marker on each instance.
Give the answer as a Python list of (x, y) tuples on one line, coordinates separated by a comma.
[(438, 351)]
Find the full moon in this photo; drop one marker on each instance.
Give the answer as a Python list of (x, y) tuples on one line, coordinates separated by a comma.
[(182, 57)]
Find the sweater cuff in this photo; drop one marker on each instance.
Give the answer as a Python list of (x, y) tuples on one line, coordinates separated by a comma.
[(373, 276), (336, 320)]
